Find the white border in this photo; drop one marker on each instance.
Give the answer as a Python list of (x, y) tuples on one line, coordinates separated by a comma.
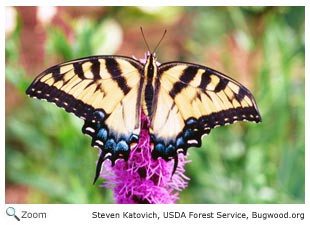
[(73, 213), (156, 3)]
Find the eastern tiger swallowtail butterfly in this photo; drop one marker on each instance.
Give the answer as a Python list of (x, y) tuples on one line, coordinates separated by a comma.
[(182, 101)]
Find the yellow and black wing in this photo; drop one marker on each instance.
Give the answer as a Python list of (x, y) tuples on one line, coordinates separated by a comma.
[(191, 100), (108, 93), (102, 90)]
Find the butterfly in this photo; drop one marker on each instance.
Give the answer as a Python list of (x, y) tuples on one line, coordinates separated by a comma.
[(183, 101)]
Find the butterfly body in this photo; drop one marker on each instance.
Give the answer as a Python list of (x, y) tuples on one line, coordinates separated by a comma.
[(182, 101), (150, 83)]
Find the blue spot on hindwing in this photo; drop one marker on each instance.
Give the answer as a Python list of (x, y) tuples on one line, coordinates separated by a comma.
[(180, 143), (99, 115), (170, 150), (110, 145), (191, 122), (102, 134), (159, 147), (188, 134), (122, 146), (161, 150)]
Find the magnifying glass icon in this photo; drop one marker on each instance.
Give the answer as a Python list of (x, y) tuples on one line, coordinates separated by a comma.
[(10, 211)]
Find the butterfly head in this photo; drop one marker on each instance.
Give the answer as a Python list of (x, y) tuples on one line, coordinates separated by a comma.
[(151, 55)]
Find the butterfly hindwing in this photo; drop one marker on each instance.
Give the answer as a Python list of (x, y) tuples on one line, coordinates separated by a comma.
[(193, 99)]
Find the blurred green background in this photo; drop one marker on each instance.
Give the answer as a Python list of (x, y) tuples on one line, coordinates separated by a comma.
[(49, 160)]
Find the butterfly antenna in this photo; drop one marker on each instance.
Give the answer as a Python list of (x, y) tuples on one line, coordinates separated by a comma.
[(148, 48), (160, 41)]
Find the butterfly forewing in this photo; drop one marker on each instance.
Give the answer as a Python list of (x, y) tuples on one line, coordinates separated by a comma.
[(84, 85)]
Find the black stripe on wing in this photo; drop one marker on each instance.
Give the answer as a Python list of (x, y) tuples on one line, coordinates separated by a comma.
[(114, 69)]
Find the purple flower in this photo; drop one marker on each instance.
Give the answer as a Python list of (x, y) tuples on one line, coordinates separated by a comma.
[(142, 179)]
